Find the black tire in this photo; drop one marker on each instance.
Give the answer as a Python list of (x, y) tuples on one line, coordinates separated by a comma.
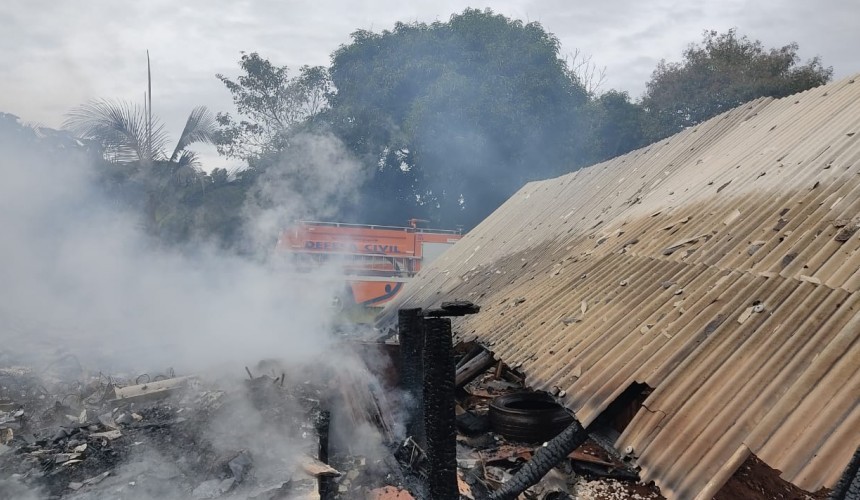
[(528, 417), (848, 487)]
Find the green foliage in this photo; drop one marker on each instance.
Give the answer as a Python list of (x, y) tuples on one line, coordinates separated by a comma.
[(200, 127), (206, 207), (273, 106), (450, 117), (724, 71), (616, 124), (170, 192), (455, 116), (120, 128)]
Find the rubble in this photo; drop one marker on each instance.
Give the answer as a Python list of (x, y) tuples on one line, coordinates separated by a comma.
[(101, 437), (277, 433), (488, 463)]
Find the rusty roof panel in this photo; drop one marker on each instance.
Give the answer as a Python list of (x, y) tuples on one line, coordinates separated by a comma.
[(719, 266)]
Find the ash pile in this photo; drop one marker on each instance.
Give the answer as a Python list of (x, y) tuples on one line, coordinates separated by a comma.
[(268, 432)]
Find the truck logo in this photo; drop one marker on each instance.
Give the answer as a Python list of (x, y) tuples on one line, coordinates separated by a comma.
[(338, 246)]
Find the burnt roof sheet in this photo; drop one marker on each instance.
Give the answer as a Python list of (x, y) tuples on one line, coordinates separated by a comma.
[(719, 266)]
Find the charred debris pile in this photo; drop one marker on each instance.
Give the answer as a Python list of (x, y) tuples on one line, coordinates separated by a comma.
[(477, 432), (405, 415), (514, 443), (270, 432)]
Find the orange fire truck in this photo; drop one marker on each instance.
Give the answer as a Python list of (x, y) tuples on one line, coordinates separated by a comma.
[(376, 260)]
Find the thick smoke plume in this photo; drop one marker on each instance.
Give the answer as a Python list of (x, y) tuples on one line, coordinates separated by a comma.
[(316, 179), (80, 276), (82, 280)]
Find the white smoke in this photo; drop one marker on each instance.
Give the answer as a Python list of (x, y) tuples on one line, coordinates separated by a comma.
[(315, 179), (80, 279), (80, 275)]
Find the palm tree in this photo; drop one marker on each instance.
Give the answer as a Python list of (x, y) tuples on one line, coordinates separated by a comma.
[(127, 134), (137, 146), (132, 140)]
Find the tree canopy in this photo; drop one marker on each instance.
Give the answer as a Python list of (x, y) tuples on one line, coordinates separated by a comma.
[(723, 71), (452, 117), (125, 133), (273, 106), (176, 199), (446, 120), (456, 115)]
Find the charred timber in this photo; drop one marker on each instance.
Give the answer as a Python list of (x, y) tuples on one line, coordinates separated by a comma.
[(473, 368), (410, 329), (545, 458), (453, 308), (327, 488), (848, 486), (439, 416), (474, 351)]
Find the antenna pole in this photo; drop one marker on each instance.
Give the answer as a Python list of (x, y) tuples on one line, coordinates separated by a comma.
[(148, 108)]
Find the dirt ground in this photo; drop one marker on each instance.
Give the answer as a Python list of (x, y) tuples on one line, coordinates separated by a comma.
[(755, 480)]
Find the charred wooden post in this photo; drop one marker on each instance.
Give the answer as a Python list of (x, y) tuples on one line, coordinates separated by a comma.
[(327, 487), (323, 423), (545, 458), (410, 329), (439, 417)]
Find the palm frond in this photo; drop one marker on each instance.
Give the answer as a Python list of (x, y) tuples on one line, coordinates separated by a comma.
[(188, 159), (200, 127), (120, 128)]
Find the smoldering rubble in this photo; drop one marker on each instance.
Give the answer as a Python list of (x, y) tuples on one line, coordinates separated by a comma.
[(336, 426), (93, 310), (258, 434)]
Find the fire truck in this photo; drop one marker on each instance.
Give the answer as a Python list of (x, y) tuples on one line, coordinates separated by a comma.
[(376, 261)]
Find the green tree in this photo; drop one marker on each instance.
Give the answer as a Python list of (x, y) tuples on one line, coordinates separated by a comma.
[(722, 72), (616, 123), (144, 167), (455, 116), (272, 106), (126, 134)]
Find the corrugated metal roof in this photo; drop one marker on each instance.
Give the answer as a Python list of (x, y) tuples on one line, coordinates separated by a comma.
[(718, 266)]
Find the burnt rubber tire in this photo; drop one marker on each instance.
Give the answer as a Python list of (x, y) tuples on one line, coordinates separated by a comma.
[(528, 417), (848, 486)]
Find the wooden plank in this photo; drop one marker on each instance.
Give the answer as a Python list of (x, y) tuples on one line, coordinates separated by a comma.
[(316, 468), (149, 390), (474, 367)]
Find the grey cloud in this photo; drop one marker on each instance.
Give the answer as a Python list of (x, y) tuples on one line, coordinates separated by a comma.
[(57, 54)]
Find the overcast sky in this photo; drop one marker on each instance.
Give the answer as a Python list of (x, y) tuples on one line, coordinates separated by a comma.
[(56, 54)]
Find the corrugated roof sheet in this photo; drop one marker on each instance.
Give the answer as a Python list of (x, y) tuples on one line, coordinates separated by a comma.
[(719, 266)]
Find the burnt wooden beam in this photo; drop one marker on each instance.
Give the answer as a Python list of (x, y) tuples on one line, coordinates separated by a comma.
[(439, 416), (473, 368), (453, 308), (410, 329), (545, 458), (474, 351), (327, 487)]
